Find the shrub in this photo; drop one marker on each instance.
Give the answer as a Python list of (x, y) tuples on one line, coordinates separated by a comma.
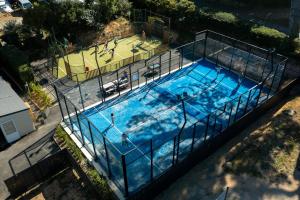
[(39, 96), (269, 36), (296, 45), (268, 32), (225, 17)]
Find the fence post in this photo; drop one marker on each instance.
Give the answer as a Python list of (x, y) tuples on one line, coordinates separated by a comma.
[(91, 134), (231, 59), (151, 155), (205, 43), (170, 60), (274, 75), (181, 58), (130, 77), (59, 104), (282, 75), (174, 149), (125, 175), (237, 108), (79, 87), (160, 66), (107, 157), (193, 57), (79, 125), (245, 110), (69, 114), (206, 128), (193, 140), (229, 118), (118, 87)]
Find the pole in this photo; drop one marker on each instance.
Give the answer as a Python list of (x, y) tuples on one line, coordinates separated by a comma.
[(125, 175), (92, 138), (69, 114), (79, 125), (107, 157), (58, 100), (100, 82)]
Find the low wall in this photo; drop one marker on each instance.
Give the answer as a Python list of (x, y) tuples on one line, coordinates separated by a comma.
[(37, 173)]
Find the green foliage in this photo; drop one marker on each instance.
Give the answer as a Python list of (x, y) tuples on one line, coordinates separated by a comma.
[(267, 32), (39, 96), (15, 61), (72, 16), (98, 180), (296, 46), (225, 17), (270, 37)]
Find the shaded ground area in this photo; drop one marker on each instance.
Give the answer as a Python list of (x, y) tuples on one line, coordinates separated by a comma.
[(66, 185), (261, 163), (22, 144)]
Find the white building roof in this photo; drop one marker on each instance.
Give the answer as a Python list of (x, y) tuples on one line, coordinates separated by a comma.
[(10, 102)]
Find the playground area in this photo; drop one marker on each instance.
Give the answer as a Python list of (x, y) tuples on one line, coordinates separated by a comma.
[(110, 57)]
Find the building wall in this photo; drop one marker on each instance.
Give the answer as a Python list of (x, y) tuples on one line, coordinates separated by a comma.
[(22, 121), (295, 18)]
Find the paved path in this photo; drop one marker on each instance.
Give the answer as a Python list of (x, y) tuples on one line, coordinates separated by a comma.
[(52, 121)]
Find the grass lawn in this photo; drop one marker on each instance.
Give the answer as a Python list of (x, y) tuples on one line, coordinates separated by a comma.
[(123, 55)]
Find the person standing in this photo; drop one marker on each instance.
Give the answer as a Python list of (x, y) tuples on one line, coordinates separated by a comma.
[(143, 36)]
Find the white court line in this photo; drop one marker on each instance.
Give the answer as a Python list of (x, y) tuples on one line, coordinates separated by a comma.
[(127, 137)]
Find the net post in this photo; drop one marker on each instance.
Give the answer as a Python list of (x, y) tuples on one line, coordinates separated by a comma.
[(79, 125), (151, 155), (174, 149), (59, 104), (194, 134), (237, 108), (107, 156), (92, 138), (125, 175), (170, 60), (68, 114)]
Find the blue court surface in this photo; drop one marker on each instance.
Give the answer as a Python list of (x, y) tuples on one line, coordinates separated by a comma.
[(154, 112)]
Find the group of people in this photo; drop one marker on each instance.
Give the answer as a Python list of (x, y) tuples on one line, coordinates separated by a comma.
[(112, 51), (106, 49)]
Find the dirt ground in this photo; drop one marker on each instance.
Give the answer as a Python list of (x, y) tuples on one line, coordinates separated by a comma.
[(65, 186), (6, 17), (261, 163)]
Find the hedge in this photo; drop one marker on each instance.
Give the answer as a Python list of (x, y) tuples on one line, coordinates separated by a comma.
[(15, 61)]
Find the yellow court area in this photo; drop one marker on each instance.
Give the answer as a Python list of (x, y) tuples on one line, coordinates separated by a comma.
[(126, 51)]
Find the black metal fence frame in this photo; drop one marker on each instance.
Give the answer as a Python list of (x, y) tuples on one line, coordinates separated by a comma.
[(268, 83)]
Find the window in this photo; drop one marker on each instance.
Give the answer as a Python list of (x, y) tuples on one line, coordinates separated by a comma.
[(9, 127)]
